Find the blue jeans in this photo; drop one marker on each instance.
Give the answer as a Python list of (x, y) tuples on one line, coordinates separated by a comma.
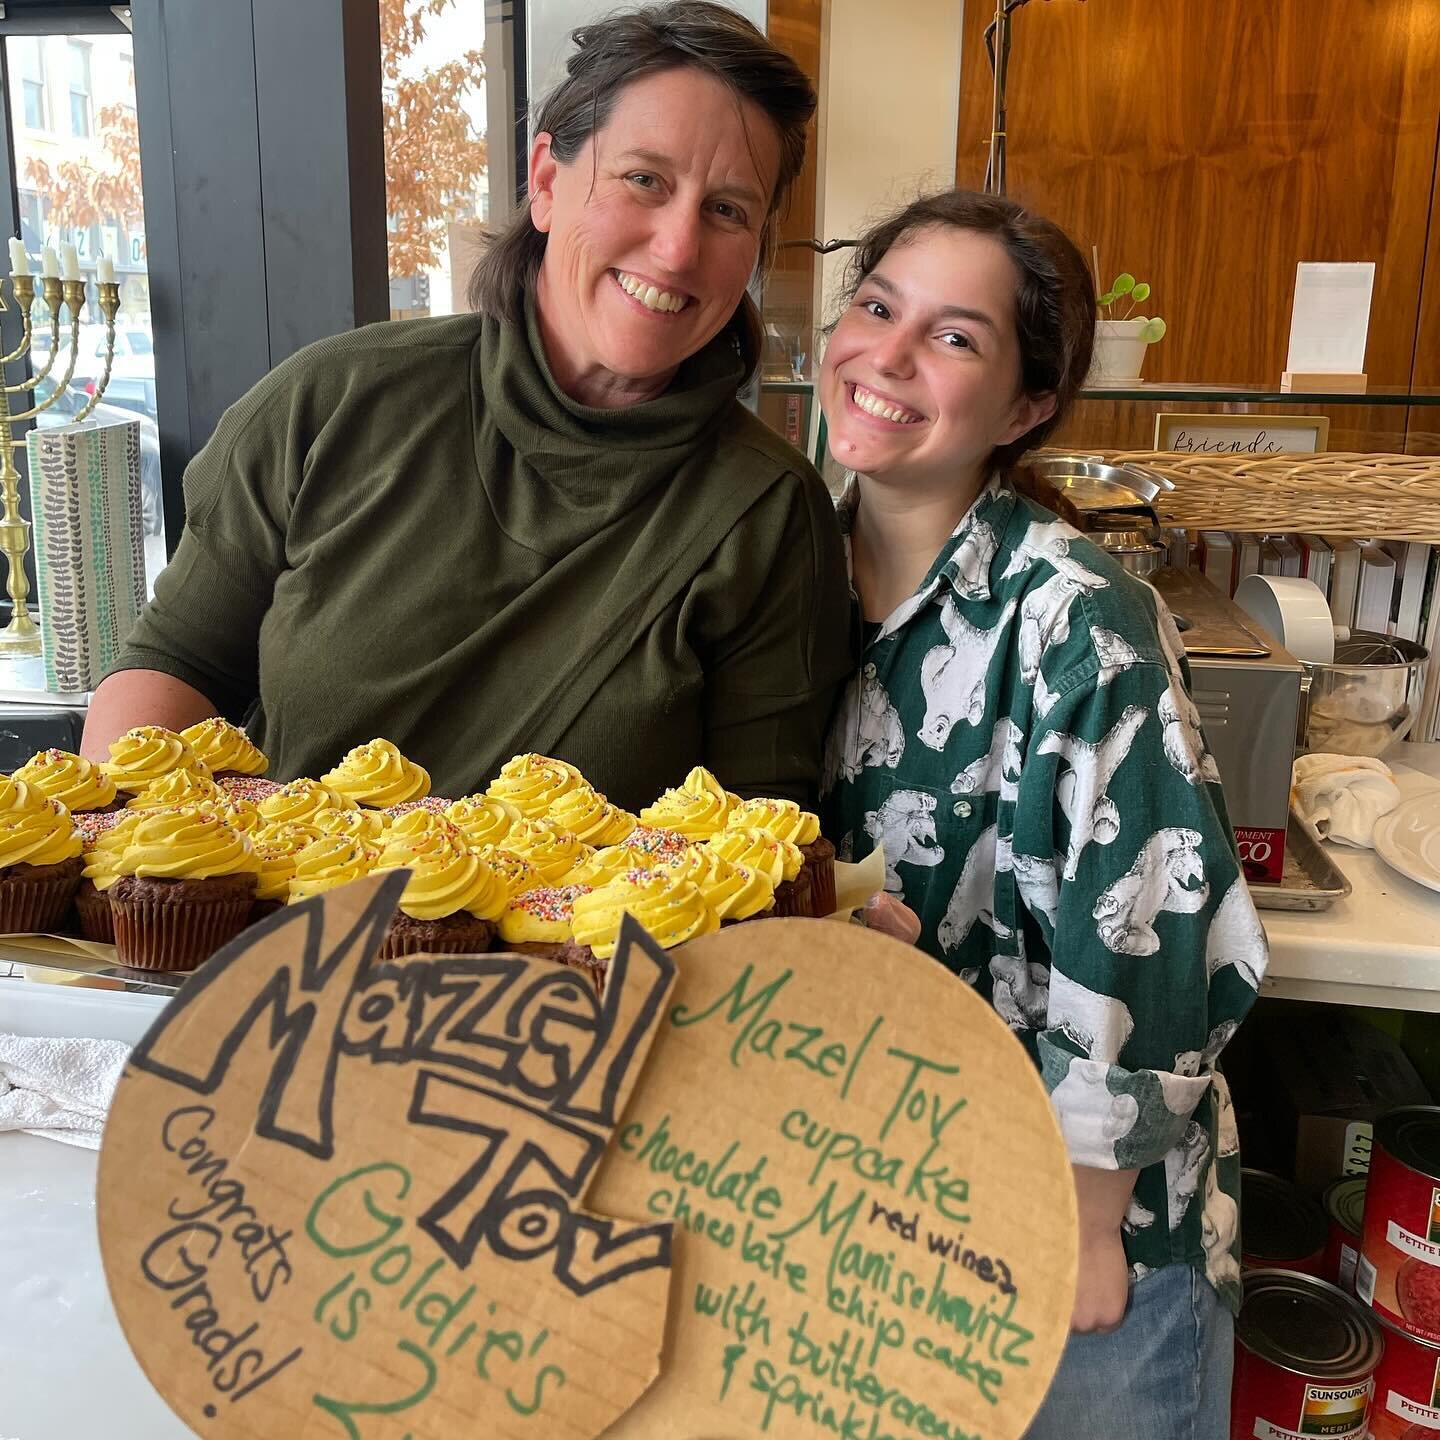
[(1163, 1375)]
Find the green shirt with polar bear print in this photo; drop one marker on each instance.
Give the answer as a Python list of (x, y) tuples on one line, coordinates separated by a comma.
[(1022, 739)]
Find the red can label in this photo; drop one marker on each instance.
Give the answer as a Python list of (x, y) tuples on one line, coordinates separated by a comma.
[(1273, 1404), (1398, 1273), (1407, 1390), (1262, 853)]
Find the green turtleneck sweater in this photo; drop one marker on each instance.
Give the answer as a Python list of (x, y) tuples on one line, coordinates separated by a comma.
[(409, 531)]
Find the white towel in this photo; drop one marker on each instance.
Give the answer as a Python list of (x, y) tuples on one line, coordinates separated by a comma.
[(1342, 796), (58, 1088)]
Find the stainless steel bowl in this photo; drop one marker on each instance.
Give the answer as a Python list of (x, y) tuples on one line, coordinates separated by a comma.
[(1364, 702), (1136, 551), (1094, 485)]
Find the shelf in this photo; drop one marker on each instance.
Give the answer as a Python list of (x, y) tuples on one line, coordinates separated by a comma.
[(1251, 395)]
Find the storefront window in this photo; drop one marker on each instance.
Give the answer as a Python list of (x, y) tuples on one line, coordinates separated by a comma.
[(437, 182), (79, 184)]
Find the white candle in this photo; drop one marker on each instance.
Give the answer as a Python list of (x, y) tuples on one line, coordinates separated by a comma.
[(69, 262), (105, 270), (19, 260), (51, 264)]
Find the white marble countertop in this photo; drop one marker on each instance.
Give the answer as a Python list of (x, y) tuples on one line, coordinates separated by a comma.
[(1381, 946)]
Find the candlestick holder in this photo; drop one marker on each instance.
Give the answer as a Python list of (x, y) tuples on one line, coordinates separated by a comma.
[(22, 635)]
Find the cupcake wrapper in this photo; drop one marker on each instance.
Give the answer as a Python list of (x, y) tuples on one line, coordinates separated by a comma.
[(97, 920), (35, 906), (411, 942), (822, 887), (154, 936), (794, 897)]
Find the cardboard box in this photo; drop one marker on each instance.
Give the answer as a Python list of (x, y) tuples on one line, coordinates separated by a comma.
[(1326, 1075)]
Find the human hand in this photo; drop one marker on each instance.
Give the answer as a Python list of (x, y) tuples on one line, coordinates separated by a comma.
[(892, 917), (1102, 1291)]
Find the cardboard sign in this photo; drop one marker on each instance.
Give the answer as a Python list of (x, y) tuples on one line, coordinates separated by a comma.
[(344, 1198), (357, 1199), (874, 1208)]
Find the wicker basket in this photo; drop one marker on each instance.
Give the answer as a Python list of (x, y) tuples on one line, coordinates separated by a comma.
[(1394, 496)]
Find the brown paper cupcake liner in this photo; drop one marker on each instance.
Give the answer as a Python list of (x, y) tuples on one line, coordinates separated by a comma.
[(412, 941), (97, 921), (35, 904), (152, 935), (794, 897)]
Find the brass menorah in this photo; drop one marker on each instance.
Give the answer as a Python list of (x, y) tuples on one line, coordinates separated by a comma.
[(22, 635)]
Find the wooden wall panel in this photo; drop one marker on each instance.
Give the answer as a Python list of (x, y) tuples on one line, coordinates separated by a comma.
[(1208, 147)]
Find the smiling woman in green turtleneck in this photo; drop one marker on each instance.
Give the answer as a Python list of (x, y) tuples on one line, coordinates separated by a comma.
[(549, 525)]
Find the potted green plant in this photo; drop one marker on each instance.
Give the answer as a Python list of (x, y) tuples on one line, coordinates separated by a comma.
[(1121, 339)]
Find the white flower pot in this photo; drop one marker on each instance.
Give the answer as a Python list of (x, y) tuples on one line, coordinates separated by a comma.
[(1119, 352)]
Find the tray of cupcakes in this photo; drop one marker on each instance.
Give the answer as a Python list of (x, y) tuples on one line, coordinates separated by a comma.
[(178, 842)]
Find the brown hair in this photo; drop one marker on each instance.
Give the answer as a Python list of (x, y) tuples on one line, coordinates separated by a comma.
[(608, 56), (1054, 305)]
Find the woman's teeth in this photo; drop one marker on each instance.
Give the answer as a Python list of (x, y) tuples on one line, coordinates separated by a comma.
[(872, 404), (648, 295)]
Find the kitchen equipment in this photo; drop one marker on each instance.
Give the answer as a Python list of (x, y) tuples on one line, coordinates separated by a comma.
[(1363, 702), (1310, 880), (1094, 485), (1408, 839), (1249, 695), (1293, 611), (1137, 548)]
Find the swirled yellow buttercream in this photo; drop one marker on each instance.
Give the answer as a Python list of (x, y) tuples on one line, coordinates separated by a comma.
[(532, 783), (223, 746), (367, 825), (420, 832), (554, 853), (18, 794), (444, 880), (186, 845), (278, 848), (518, 875), (330, 861), (776, 859), (540, 916), (146, 753), (694, 815), (41, 833), (782, 818), (77, 783), (701, 781), (179, 787), (604, 865), (590, 817), (484, 821), (301, 801), (733, 892), (104, 847), (377, 774), (670, 907)]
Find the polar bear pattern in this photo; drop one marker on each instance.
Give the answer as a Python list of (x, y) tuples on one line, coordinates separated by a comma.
[(1194, 1062), (1045, 617), (972, 559), (1182, 737), (1091, 1116), (974, 895), (1043, 697), (952, 676), (1168, 876), (1081, 788), (1237, 938), (1050, 540), (905, 825), (1038, 881), (874, 736), (1183, 1168), (1099, 1024), (998, 770), (1114, 653), (1219, 1225), (1137, 1217), (1021, 991)]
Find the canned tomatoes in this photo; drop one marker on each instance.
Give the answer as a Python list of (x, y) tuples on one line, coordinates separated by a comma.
[(1398, 1272), (1407, 1389), (1344, 1204), (1305, 1358), (1282, 1228)]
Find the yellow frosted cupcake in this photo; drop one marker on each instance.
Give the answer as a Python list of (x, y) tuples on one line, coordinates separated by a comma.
[(484, 821), (553, 853), (517, 874), (590, 817), (367, 825), (533, 783), (785, 820), (696, 814), (328, 862), (451, 900), (40, 859), (179, 787), (537, 922), (225, 748), (670, 907), (733, 892), (77, 783), (301, 801), (103, 837), (780, 862), (378, 775), (147, 753), (185, 885), (277, 848), (604, 865)]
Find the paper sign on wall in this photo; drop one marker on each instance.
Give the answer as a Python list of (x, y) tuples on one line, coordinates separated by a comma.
[(348, 1198)]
